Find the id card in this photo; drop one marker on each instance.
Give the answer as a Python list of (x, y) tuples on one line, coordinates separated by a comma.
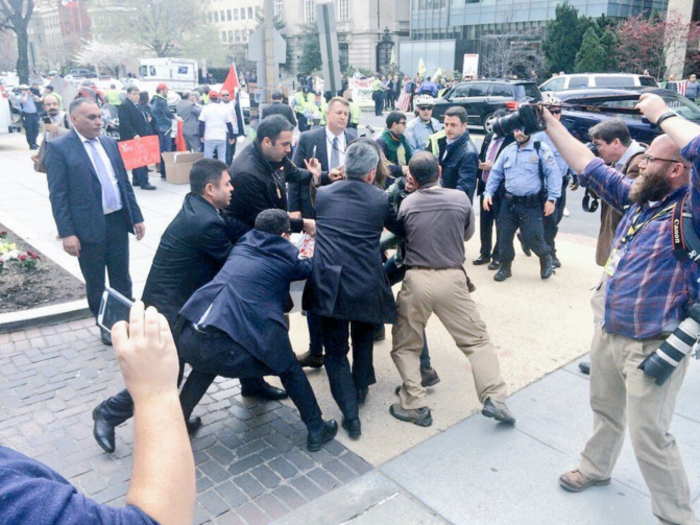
[(611, 266)]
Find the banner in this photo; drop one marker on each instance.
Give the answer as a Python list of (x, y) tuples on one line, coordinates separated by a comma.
[(140, 152), (361, 89), (470, 69)]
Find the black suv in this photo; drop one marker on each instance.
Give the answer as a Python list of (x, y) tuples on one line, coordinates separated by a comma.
[(482, 97)]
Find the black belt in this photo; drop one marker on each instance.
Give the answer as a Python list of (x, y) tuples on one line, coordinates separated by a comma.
[(528, 200)]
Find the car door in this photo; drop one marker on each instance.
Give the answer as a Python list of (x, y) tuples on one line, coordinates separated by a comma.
[(457, 96), (477, 102)]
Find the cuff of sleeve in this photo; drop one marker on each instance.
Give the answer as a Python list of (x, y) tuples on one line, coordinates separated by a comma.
[(296, 225)]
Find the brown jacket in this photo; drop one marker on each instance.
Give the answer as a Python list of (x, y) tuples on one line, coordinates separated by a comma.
[(610, 217)]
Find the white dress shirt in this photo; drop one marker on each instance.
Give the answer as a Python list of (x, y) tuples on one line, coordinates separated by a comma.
[(110, 170), (342, 144)]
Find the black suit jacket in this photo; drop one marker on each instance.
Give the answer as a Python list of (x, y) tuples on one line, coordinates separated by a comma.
[(300, 195), (277, 108), (348, 280), (75, 191), (509, 139), (191, 252), (132, 121), (249, 296)]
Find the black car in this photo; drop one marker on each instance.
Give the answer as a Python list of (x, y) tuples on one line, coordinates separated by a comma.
[(597, 105), (482, 97)]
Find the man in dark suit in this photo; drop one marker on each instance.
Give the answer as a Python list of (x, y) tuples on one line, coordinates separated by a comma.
[(236, 326), (132, 125), (491, 148), (279, 108), (349, 288), (93, 203), (191, 252), (328, 145)]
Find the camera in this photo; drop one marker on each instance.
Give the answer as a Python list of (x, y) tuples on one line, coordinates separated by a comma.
[(528, 118), (664, 361)]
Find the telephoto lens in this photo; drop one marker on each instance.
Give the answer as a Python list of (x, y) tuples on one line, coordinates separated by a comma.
[(666, 359), (528, 118), (504, 126)]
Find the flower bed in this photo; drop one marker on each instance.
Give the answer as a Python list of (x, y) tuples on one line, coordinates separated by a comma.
[(28, 279)]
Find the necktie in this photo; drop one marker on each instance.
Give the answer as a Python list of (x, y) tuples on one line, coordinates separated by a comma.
[(108, 194), (335, 154), (490, 156)]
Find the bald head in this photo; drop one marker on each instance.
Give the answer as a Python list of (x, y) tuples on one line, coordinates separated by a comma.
[(662, 171)]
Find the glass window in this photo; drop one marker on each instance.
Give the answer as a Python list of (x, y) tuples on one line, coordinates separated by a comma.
[(228, 15), (250, 12), (344, 58), (501, 90), (647, 81), (578, 82), (309, 11), (223, 16), (556, 84), (529, 90), (614, 81), (242, 13), (216, 16), (223, 36), (278, 7), (230, 36), (461, 90), (343, 10), (238, 35), (235, 14), (479, 89)]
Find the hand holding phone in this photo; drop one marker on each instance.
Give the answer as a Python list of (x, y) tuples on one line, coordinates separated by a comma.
[(113, 308)]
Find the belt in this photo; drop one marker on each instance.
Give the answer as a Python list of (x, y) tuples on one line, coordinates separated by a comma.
[(435, 269), (529, 200)]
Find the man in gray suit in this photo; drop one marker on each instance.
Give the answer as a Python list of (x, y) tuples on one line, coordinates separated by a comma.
[(188, 109)]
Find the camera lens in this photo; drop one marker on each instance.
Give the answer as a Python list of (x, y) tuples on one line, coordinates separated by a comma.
[(506, 125)]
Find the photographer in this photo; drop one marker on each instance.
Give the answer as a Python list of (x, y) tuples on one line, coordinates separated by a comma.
[(646, 296), (55, 125)]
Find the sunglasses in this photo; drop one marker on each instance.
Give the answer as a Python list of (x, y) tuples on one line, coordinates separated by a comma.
[(556, 112), (425, 108)]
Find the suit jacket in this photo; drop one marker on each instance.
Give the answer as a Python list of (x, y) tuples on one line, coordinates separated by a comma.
[(509, 139), (132, 121), (300, 195), (277, 108), (75, 191), (348, 280), (189, 112), (248, 298), (191, 252)]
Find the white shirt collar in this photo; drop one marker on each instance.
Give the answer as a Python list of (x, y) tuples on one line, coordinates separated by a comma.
[(634, 148), (331, 136), (83, 139)]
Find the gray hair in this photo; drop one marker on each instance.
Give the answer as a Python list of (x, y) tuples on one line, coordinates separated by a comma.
[(360, 159), (80, 102)]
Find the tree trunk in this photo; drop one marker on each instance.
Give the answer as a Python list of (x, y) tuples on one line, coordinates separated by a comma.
[(22, 53)]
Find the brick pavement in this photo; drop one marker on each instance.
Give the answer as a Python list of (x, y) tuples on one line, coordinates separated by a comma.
[(252, 464)]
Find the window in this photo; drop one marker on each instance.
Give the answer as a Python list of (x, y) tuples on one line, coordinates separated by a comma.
[(278, 8), (222, 16), (230, 36), (461, 91), (228, 15), (344, 58), (242, 13), (343, 10), (478, 90), (235, 14), (578, 82), (216, 16), (309, 11), (223, 36), (617, 81), (250, 12), (556, 84), (501, 90)]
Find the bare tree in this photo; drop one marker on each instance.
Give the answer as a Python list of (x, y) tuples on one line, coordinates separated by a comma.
[(102, 55), (15, 16)]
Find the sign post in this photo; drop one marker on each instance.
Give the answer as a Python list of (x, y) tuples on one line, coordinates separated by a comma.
[(328, 39)]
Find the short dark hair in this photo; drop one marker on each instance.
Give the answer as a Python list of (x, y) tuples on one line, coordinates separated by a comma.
[(271, 127), (609, 130), (424, 168), (143, 97), (205, 171), (131, 88), (394, 118), (459, 112), (277, 96), (273, 221), (79, 102)]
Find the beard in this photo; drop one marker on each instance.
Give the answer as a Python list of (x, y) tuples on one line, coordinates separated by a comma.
[(650, 186)]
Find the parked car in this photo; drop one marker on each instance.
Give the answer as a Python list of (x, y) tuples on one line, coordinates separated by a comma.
[(597, 80), (482, 97), (579, 120)]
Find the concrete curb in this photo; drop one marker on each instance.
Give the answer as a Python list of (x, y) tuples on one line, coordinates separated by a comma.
[(45, 315)]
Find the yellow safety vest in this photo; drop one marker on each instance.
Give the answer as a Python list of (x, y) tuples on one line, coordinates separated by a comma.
[(112, 96), (300, 102), (355, 113), (324, 110), (434, 146)]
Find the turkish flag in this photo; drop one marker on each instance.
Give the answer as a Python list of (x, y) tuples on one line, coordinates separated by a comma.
[(231, 82)]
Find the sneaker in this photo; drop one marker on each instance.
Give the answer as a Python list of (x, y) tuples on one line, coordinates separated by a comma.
[(498, 411), (574, 481), (428, 377), (418, 416), (566, 212)]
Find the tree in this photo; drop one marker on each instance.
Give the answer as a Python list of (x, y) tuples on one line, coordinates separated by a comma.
[(563, 39), (609, 43), (15, 16), (591, 56), (650, 43), (310, 60), (103, 56)]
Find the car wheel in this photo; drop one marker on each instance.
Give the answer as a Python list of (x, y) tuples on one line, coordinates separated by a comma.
[(488, 122)]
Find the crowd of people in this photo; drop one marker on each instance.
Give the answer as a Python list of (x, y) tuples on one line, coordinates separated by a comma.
[(221, 276)]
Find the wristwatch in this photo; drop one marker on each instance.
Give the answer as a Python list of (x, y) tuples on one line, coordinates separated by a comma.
[(662, 118)]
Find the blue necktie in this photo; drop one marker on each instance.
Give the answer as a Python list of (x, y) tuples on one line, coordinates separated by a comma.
[(108, 194), (335, 154)]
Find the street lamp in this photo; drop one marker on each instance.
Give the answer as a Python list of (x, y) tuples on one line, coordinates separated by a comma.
[(384, 48)]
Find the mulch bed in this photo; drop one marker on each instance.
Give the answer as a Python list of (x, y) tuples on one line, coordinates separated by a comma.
[(22, 289)]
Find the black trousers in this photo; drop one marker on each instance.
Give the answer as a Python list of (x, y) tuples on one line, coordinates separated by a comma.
[(551, 223), (30, 121), (112, 255), (527, 217), (220, 355), (344, 382), (378, 97), (489, 219), (140, 176), (230, 151), (302, 121), (165, 143)]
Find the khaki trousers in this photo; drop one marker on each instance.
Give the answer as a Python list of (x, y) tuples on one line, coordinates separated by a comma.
[(620, 395), (444, 292)]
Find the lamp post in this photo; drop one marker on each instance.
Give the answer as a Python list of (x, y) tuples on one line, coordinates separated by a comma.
[(384, 48)]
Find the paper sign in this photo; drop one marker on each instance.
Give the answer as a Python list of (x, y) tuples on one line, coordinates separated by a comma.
[(140, 152)]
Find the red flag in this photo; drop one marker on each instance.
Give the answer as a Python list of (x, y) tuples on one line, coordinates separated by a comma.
[(180, 144), (231, 82)]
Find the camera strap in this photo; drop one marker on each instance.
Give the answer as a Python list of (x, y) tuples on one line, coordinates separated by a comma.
[(686, 243)]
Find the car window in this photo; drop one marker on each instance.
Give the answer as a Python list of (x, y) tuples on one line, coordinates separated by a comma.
[(461, 91), (479, 89), (684, 107), (578, 82), (647, 81), (618, 81), (529, 90), (556, 84), (501, 90)]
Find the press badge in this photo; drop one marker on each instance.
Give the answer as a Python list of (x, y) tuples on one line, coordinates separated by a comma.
[(611, 266)]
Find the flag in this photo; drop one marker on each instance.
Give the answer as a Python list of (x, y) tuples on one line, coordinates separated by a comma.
[(392, 61), (437, 74), (231, 83), (421, 67)]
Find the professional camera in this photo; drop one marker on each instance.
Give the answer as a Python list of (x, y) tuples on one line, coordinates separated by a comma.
[(528, 118), (664, 361)]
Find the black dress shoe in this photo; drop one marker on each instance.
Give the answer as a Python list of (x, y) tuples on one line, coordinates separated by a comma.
[(546, 267), (102, 430), (556, 262), (106, 337), (525, 247), (495, 264), (380, 333), (148, 187), (585, 367), (323, 435), (503, 272), (193, 424), (362, 395), (310, 360), (266, 391), (483, 259), (353, 426)]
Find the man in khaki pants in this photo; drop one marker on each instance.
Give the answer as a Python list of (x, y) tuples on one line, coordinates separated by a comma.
[(436, 221), (646, 292)]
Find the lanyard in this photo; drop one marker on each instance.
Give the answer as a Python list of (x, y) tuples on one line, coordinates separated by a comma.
[(635, 228)]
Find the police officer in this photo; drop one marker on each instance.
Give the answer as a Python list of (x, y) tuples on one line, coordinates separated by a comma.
[(355, 111), (300, 102), (533, 185)]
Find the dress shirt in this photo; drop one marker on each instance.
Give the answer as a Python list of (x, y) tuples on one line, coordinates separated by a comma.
[(496, 142), (110, 171), (342, 144), (634, 148)]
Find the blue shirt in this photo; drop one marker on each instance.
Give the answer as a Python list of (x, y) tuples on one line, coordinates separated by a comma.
[(29, 106), (519, 167), (561, 163), (33, 494), (692, 90), (418, 133)]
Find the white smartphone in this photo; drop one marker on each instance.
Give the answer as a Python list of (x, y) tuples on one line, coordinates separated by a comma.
[(113, 308)]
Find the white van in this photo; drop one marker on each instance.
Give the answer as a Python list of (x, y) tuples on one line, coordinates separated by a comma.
[(597, 80), (180, 74), (5, 111)]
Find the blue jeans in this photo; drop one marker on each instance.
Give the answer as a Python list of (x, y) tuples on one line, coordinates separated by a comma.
[(396, 275), (215, 146)]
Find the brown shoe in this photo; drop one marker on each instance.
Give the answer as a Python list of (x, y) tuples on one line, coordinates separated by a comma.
[(574, 481)]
